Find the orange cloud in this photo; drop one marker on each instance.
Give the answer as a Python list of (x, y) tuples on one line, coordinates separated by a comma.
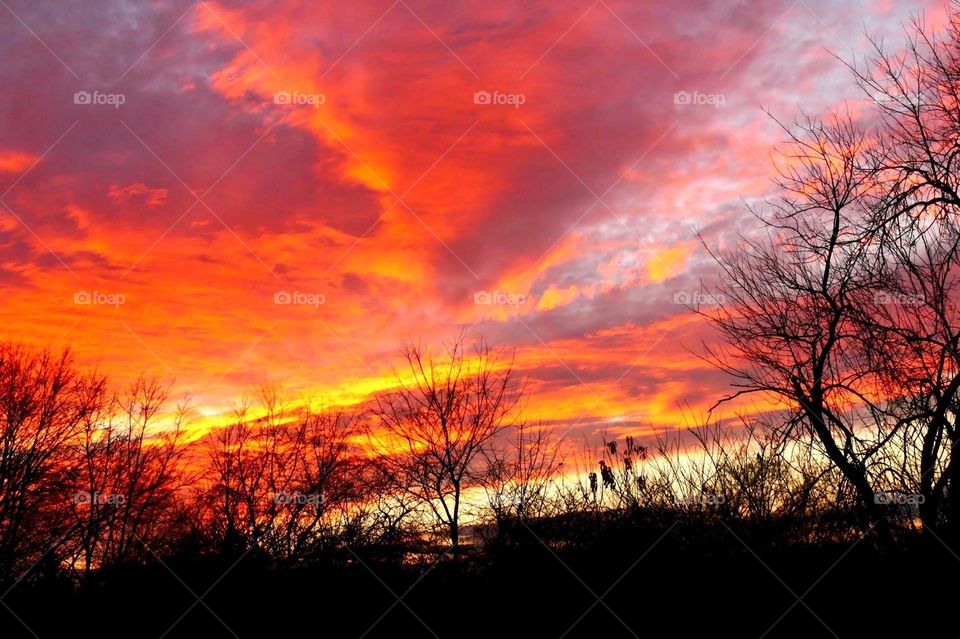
[(16, 161)]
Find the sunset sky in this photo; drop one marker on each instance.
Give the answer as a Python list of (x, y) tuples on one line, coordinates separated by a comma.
[(180, 166)]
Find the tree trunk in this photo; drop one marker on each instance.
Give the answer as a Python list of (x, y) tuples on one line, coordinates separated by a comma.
[(854, 473)]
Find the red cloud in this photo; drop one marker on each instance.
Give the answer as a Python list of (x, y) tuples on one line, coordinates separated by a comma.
[(138, 191)]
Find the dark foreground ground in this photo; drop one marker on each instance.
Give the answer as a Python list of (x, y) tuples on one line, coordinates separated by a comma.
[(656, 579)]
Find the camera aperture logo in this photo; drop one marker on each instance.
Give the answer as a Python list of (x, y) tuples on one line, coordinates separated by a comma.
[(686, 98), (96, 98), (298, 298), (99, 298), (499, 99), (296, 98)]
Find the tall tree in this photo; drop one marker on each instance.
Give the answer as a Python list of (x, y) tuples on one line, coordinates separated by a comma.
[(791, 302), (432, 431), (287, 480), (128, 474), (44, 403), (915, 95)]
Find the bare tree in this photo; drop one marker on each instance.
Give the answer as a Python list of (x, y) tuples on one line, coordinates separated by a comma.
[(521, 475), (430, 433), (866, 239), (791, 304), (288, 480), (916, 226), (128, 475), (44, 402)]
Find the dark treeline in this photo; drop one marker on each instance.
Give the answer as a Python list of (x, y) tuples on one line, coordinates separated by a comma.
[(436, 487), (439, 508), (93, 478)]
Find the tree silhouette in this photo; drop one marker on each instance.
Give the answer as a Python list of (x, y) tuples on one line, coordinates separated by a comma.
[(432, 431)]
